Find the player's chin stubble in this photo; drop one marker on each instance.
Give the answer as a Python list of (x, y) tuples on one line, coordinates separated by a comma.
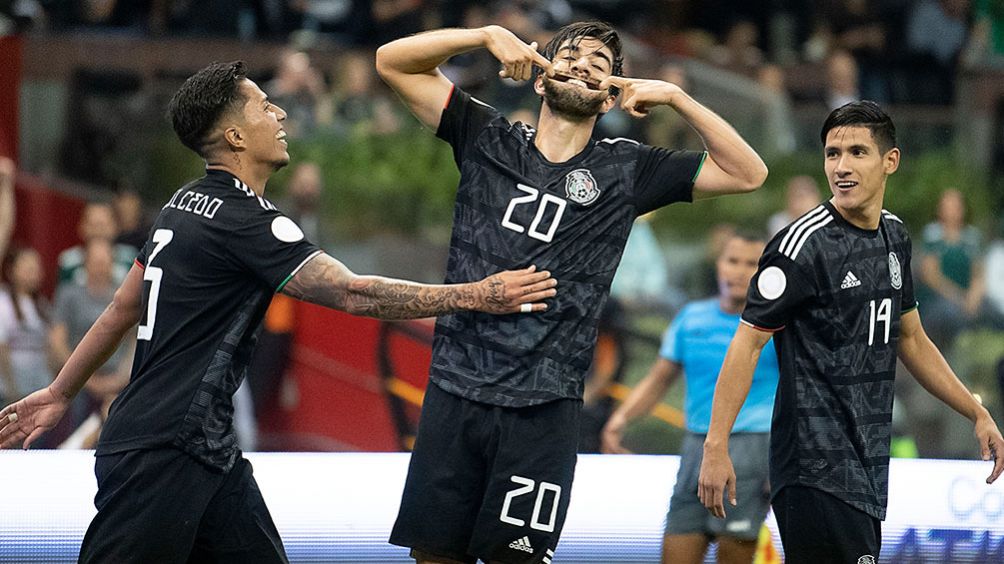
[(571, 102)]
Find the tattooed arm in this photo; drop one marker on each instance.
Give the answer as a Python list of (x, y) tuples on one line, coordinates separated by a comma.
[(327, 282)]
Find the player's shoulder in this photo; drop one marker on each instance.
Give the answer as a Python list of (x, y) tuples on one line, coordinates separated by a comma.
[(700, 308), (619, 145), (893, 223), (804, 237)]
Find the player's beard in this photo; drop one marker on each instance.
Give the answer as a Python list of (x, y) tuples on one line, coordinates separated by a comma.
[(571, 102)]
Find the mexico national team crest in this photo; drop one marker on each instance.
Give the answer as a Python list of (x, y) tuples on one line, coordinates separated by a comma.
[(895, 273), (580, 187)]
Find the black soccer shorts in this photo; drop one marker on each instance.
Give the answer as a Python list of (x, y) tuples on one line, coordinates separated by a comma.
[(818, 528), (163, 506), (489, 482)]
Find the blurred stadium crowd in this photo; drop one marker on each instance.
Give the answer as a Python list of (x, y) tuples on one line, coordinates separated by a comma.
[(785, 55)]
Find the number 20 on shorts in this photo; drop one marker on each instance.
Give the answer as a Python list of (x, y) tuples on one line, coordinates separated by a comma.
[(527, 486)]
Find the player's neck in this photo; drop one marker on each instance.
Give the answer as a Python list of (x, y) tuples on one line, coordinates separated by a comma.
[(255, 181), (558, 138), (731, 306), (865, 217)]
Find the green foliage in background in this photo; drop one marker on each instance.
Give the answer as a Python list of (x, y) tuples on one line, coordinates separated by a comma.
[(405, 183)]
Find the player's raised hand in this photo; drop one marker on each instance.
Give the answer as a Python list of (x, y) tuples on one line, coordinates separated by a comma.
[(639, 95), (517, 58), (717, 474), (515, 291), (991, 445), (24, 421)]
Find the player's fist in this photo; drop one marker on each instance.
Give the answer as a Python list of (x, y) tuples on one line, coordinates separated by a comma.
[(515, 291)]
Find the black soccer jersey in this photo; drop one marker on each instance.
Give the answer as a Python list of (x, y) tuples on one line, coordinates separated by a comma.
[(515, 208), (216, 254), (833, 294)]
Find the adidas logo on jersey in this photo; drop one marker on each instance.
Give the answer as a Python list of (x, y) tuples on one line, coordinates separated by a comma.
[(522, 544), (850, 281)]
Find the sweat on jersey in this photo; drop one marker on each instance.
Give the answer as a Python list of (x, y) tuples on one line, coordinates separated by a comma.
[(833, 294), (216, 254), (697, 340), (514, 208)]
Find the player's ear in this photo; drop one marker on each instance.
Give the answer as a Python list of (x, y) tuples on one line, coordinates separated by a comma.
[(234, 138), (538, 84), (608, 104), (891, 160)]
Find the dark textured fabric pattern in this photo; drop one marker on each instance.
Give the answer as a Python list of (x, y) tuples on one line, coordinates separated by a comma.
[(513, 209), (216, 254), (837, 327)]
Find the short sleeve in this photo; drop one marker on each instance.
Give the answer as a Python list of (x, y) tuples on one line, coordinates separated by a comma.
[(671, 345), (778, 289), (463, 118), (270, 245), (664, 177)]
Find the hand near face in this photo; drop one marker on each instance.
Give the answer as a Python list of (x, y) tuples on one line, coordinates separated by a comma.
[(517, 58), (639, 95)]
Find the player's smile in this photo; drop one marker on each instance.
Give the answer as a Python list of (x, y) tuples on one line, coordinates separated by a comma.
[(856, 169)]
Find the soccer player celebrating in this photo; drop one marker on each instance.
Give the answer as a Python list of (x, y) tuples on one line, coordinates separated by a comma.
[(491, 473), (834, 290), (172, 484), (695, 345)]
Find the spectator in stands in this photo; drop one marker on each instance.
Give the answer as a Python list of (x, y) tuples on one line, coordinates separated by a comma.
[(858, 28), (133, 225), (24, 321), (950, 271), (936, 32), (801, 195), (96, 222), (358, 106), (739, 51), (77, 307), (8, 173), (299, 87), (841, 79)]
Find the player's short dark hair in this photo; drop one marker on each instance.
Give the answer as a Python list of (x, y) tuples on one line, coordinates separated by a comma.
[(863, 113), (749, 235), (601, 31), (205, 96)]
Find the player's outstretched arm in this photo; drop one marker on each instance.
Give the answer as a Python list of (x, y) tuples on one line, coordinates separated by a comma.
[(22, 422), (932, 371), (732, 165), (717, 473), (411, 65), (642, 399), (327, 282)]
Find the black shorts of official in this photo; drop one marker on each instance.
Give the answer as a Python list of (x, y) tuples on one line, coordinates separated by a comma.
[(818, 528), (488, 482), (163, 506)]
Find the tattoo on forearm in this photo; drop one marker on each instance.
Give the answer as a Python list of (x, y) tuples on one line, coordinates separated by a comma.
[(328, 283)]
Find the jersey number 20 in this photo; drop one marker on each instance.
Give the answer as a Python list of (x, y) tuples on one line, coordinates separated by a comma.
[(161, 237), (542, 205), (528, 486)]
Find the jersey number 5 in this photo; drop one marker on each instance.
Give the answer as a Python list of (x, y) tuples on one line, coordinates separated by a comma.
[(542, 205), (161, 237)]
